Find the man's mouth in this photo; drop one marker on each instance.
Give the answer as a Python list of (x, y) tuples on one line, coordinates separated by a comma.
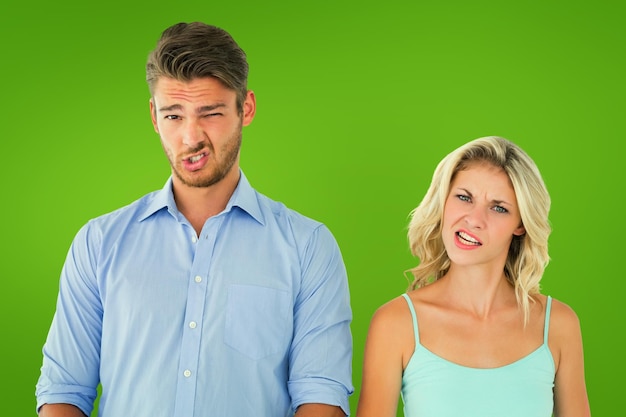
[(196, 158)]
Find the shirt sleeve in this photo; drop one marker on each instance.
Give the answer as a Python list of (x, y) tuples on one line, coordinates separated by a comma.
[(321, 352), (71, 359)]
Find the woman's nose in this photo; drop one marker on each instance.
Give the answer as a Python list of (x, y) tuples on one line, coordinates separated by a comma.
[(475, 217)]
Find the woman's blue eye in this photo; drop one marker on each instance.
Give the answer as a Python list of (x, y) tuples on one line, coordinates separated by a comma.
[(463, 197), (500, 209)]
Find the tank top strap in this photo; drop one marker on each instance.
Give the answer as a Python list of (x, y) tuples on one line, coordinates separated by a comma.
[(414, 316), (546, 326)]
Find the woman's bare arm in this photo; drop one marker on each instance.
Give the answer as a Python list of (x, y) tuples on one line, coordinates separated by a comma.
[(383, 360), (570, 392)]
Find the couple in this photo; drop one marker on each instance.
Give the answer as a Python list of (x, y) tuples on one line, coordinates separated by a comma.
[(208, 298)]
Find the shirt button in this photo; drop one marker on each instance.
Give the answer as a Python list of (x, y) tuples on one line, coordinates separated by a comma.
[(194, 239), (192, 324), (187, 373), (198, 278)]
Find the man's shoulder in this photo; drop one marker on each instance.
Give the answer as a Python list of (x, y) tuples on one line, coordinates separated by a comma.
[(133, 211), (280, 212)]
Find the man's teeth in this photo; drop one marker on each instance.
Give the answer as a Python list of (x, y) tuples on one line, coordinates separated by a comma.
[(468, 238), (196, 158)]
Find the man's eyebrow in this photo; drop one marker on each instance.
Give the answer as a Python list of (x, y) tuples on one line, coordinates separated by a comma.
[(212, 107), (170, 108), (202, 109)]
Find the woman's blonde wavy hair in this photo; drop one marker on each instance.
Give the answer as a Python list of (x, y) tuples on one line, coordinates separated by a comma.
[(528, 253)]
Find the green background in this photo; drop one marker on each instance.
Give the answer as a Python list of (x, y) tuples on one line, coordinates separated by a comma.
[(356, 105)]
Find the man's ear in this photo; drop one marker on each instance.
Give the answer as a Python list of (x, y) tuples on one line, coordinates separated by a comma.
[(249, 108), (153, 115)]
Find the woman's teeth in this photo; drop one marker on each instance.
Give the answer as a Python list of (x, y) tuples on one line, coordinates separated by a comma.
[(467, 238)]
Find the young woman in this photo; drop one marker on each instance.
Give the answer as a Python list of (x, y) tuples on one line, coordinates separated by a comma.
[(473, 336)]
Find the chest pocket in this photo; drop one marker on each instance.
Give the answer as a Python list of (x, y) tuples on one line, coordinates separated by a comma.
[(258, 320)]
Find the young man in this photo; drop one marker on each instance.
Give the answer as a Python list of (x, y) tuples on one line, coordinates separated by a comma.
[(205, 298)]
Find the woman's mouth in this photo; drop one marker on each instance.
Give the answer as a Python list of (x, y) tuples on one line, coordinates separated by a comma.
[(466, 239)]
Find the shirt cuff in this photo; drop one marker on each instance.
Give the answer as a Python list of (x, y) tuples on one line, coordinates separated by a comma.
[(312, 391)]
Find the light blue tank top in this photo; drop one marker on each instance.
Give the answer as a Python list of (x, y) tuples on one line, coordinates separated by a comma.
[(435, 387)]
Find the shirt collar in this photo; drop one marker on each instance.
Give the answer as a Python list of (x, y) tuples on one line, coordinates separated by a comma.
[(243, 197)]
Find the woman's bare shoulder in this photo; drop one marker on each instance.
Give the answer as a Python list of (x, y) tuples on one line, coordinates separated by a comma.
[(399, 306), (391, 330), (564, 337), (563, 317), (395, 309)]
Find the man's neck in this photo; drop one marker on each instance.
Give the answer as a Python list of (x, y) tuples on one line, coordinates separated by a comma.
[(198, 204)]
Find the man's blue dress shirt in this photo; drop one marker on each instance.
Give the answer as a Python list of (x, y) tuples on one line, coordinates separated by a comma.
[(251, 318)]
